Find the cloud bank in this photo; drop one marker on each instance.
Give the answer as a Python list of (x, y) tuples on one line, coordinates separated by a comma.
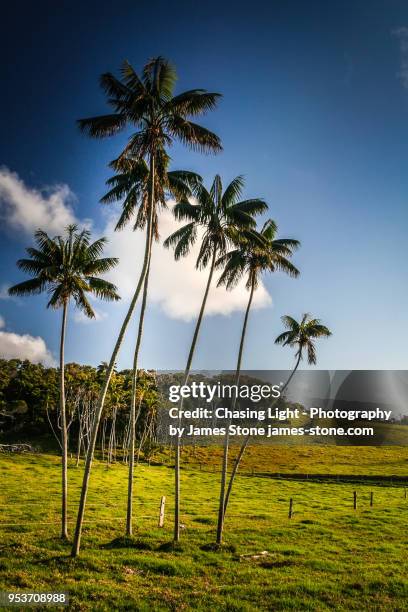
[(176, 287), (25, 209), (16, 346)]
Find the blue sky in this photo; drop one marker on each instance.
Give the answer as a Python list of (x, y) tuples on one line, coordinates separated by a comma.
[(314, 114)]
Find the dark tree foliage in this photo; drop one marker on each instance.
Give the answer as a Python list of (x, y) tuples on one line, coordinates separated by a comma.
[(29, 390)]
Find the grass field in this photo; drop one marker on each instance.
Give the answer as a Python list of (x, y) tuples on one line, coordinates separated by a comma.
[(326, 557), (342, 460)]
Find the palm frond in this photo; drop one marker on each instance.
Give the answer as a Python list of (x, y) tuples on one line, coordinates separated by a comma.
[(186, 211), (283, 338), (103, 289), (33, 286), (100, 266), (113, 87), (216, 190), (182, 239), (233, 191), (193, 102), (194, 136), (290, 323), (103, 125), (131, 79), (311, 353), (83, 304), (252, 207)]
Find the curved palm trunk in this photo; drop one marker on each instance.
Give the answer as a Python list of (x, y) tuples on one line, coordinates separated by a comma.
[(92, 442), (64, 433), (246, 441), (129, 529), (221, 515), (186, 375)]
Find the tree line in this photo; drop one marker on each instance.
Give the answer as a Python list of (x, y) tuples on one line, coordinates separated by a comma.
[(224, 224), (30, 408)]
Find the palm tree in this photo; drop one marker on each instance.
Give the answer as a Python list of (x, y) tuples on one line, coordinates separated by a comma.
[(67, 267), (131, 184), (250, 259), (300, 335), (147, 103), (222, 217)]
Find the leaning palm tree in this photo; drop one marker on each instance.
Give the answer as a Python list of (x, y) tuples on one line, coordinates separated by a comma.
[(250, 259), (148, 104), (300, 336), (131, 185), (221, 216), (67, 267)]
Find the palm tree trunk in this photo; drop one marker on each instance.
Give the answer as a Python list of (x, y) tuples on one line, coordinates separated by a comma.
[(101, 400), (129, 529), (221, 515), (245, 443), (64, 437), (186, 375)]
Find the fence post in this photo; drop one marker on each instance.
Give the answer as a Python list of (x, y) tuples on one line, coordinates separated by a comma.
[(355, 500), (161, 514), (371, 499), (290, 508)]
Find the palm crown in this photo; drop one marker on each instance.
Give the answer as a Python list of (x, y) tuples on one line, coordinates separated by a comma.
[(148, 103), (132, 185), (220, 214), (256, 253), (67, 266), (302, 335)]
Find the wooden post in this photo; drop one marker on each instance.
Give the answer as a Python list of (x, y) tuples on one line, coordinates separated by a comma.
[(371, 499), (161, 514), (405, 493), (355, 500), (290, 508)]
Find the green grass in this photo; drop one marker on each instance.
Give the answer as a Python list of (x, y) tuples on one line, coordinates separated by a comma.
[(342, 460), (326, 557)]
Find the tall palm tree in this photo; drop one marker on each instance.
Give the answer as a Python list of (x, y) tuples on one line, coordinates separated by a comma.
[(148, 104), (300, 335), (250, 259), (222, 217), (67, 267), (131, 184)]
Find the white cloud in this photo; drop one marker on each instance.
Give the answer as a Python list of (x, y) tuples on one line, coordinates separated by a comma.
[(25, 209), (402, 35), (175, 285), (16, 346)]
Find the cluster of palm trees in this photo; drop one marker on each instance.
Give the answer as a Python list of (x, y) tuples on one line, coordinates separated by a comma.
[(218, 217)]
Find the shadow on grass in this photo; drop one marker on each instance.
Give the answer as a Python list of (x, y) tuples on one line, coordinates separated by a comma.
[(213, 547), (204, 520), (127, 542), (274, 564), (170, 547)]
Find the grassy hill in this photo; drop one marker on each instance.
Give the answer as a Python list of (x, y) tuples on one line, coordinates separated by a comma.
[(342, 460)]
